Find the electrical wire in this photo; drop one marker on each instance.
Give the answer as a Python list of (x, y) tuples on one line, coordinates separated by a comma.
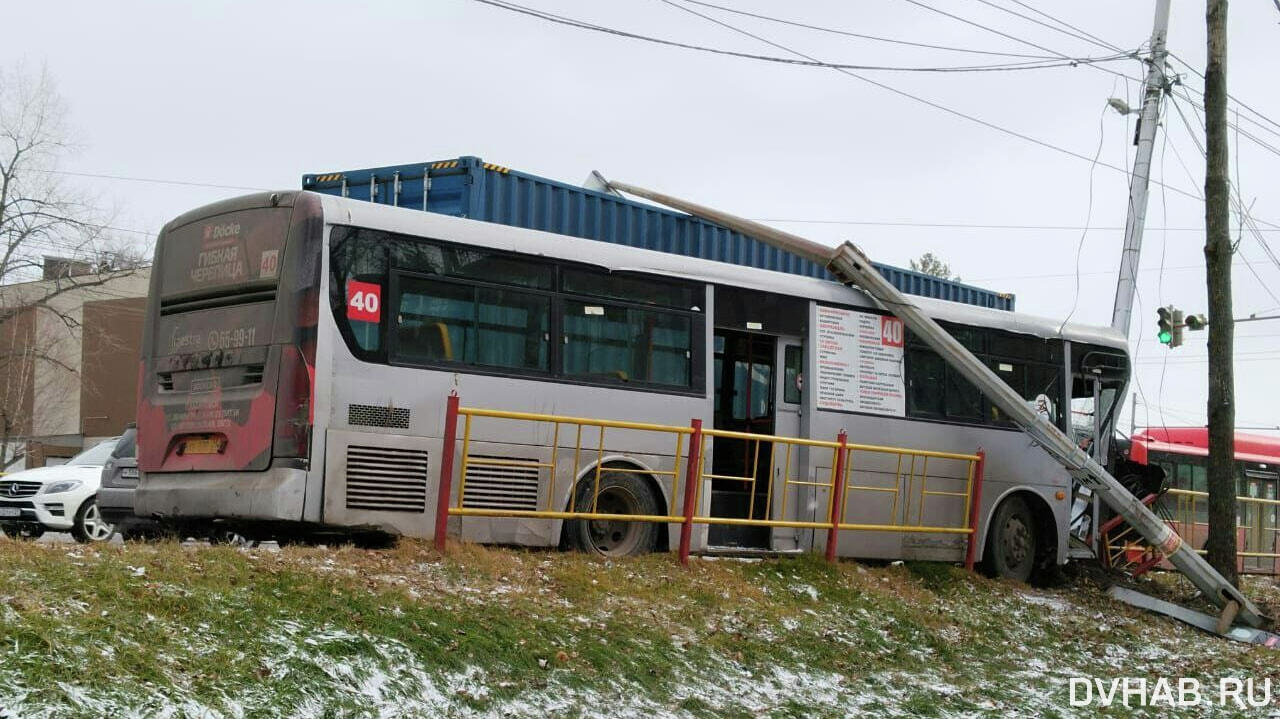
[(975, 226), (1094, 38), (1088, 215), (1070, 34), (151, 180), (819, 28), (1230, 97), (1110, 271), (1004, 67), (924, 101), (1233, 125), (1246, 217), (1014, 38)]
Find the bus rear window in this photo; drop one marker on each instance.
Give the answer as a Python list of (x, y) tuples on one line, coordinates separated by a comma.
[(229, 250)]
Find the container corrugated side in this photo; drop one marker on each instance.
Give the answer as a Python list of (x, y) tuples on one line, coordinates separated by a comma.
[(469, 187)]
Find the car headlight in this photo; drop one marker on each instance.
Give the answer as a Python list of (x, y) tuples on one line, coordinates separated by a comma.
[(64, 486)]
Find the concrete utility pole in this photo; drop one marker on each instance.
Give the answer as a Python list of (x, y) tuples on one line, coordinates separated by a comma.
[(1148, 123), (851, 266), (1221, 545)]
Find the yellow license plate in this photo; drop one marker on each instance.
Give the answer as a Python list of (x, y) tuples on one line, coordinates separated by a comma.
[(202, 446)]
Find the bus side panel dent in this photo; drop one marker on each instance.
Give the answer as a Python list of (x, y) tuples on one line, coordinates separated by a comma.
[(276, 494)]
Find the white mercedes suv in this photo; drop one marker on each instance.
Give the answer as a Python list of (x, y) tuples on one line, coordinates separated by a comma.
[(63, 498)]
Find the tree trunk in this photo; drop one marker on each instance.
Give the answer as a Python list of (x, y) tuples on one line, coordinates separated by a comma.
[(1221, 545)]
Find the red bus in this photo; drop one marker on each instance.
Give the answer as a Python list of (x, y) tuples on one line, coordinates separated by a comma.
[(1182, 452)]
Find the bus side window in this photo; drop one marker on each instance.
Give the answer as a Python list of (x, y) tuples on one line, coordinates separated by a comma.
[(1199, 478), (1014, 375), (963, 400), (434, 321), (925, 372), (357, 256), (626, 344)]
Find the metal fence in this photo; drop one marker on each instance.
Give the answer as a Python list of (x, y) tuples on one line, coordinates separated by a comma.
[(1257, 532), (576, 449)]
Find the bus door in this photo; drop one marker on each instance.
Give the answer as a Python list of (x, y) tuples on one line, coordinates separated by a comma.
[(1259, 520), (746, 387)]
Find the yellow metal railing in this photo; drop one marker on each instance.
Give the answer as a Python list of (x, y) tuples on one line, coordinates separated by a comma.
[(1260, 541), (580, 450), (1257, 542)]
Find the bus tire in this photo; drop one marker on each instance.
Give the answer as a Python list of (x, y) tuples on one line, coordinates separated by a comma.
[(620, 493), (1012, 540)]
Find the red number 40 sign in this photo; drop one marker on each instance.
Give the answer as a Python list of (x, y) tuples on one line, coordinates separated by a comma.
[(364, 301), (891, 331)]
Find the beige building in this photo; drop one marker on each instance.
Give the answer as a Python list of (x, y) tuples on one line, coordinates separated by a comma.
[(69, 358)]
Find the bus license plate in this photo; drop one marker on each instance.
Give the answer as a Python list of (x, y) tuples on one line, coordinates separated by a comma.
[(202, 446), (10, 512)]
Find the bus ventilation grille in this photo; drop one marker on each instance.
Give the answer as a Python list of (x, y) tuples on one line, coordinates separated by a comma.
[(501, 486), (368, 415), (386, 480)]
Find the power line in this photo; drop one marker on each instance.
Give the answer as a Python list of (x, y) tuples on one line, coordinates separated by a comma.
[(1014, 38), (1044, 24), (974, 225), (1096, 40), (808, 62), (930, 103), (1090, 272), (1088, 216), (1231, 97), (1246, 220), (819, 28), (151, 180)]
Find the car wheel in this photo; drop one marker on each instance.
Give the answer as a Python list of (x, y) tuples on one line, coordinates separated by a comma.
[(1011, 541), (89, 525), (23, 531), (620, 493)]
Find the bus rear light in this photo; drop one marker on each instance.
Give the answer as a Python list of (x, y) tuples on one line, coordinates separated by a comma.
[(293, 405)]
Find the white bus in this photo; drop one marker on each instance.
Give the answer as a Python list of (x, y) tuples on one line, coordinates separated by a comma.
[(299, 349)]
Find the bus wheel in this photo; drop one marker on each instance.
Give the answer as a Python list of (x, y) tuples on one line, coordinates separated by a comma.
[(1011, 541), (620, 493)]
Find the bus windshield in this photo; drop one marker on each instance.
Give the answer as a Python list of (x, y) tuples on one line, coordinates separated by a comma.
[(225, 251)]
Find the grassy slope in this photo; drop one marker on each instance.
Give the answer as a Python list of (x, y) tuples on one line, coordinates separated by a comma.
[(213, 631)]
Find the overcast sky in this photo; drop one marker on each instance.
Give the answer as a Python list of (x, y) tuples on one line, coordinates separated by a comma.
[(255, 94)]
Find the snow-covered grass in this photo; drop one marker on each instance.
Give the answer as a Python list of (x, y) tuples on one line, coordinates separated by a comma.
[(183, 631)]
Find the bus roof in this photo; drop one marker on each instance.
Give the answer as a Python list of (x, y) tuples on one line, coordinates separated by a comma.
[(632, 259), (1194, 441)]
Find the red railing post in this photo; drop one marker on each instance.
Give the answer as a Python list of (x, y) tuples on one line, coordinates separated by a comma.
[(975, 502), (445, 487), (691, 476), (837, 497)]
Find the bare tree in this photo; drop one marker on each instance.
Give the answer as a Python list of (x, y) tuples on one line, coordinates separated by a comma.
[(54, 240), (930, 265)]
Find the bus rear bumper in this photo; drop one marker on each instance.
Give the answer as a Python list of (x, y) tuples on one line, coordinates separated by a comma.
[(276, 494)]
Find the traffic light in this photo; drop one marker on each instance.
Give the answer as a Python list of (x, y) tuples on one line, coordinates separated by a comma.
[(1166, 324), (1195, 323), (1176, 339)]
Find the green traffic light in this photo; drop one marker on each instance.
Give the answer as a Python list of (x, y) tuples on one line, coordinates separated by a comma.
[(1165, 337)]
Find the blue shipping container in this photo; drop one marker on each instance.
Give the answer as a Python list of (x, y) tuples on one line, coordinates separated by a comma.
[(469, 187)]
